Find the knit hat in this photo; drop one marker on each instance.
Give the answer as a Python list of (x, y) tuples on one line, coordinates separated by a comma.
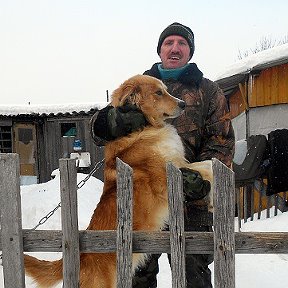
[(181, 30)]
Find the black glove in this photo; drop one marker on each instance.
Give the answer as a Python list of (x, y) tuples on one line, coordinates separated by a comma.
[(194, 187), (124, 120), (110, 123)]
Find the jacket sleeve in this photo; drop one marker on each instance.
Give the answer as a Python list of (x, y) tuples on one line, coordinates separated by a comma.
[(99, 128), (219, 139)]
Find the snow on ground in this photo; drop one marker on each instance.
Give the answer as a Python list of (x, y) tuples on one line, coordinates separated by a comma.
[(263, 271)]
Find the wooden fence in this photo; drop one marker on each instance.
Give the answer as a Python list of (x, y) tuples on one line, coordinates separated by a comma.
[(252, 201), (223, 242)]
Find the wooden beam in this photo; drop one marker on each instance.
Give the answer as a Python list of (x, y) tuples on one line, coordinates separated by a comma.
[(156, 242), (242, 89)]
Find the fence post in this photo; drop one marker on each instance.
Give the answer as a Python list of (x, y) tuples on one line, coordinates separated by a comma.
[(11, 221), (176, 226), (69, 218), (224, 234), (124, 226)]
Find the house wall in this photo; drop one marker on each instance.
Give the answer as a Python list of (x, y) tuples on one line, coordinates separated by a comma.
[(30, 153), (265, 88), (239, 126), (270, 87), (260, 120), (265, 119), (57, 146), (50, 146), (259, 105), (236, 104)]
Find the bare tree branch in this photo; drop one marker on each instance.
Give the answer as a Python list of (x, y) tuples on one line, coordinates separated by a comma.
[(264, 44)]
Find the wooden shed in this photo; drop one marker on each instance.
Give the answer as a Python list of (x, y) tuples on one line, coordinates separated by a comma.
[(257, 90), (41, 135)]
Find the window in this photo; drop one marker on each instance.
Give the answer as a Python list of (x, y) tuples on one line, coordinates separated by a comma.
[(5, 139), (25, 135), (68, 130)]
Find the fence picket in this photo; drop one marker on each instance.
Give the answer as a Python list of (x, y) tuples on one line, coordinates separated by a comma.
[(69, 218), (11, 223), (124, 228), (176, 226), (224, 236)]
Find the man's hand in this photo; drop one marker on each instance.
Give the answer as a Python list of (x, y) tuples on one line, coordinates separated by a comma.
[(111, 122), (194, 187), (124, 120)]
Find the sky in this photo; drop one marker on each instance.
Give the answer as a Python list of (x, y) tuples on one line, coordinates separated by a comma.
[(257, 271), (60, 51)]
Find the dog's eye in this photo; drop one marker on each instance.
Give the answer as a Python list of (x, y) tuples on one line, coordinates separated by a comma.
[(159, 93)]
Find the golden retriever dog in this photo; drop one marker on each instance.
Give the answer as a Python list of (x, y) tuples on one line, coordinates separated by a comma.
[(147, 151)]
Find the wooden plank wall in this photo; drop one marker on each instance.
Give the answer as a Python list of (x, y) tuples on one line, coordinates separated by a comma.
[(270, 87), (54, 144), (236, 103)]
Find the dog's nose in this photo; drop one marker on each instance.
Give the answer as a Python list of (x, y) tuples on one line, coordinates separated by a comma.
[(182, 104)]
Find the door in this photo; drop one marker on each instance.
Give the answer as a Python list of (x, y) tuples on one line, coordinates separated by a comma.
[(25, 144)]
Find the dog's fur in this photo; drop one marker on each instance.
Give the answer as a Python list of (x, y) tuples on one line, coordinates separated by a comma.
[(147, 151)]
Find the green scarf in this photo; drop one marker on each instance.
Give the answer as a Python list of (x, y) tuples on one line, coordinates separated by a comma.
[(170, 73)]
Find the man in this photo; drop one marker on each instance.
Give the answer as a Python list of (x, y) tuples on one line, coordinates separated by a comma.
[(205, 128)]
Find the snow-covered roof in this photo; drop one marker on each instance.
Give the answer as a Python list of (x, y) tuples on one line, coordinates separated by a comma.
[(8, 110), (258, 61), (237, 72)]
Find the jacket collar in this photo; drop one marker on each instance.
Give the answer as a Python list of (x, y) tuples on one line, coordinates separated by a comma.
[(190, 76)]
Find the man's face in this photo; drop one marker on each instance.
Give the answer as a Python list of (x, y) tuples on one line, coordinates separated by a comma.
[(174, 52)]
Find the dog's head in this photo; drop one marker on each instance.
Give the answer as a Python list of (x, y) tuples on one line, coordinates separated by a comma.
[(150, 95)]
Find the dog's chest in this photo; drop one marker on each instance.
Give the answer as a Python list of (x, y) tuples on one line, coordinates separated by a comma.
[(170, 145)]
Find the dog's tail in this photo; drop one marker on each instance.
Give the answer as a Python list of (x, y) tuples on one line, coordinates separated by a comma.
[(45, 273)]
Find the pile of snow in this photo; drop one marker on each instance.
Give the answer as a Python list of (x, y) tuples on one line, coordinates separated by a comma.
[(39, 199), (263, 271)]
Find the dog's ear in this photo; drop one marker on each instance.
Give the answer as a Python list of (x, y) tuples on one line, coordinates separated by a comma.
[(127, 93)]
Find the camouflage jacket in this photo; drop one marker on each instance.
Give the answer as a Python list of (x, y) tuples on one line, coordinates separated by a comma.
[(205, 127)]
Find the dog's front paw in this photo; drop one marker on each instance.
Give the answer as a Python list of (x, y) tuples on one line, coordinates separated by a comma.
[(206, 171)]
